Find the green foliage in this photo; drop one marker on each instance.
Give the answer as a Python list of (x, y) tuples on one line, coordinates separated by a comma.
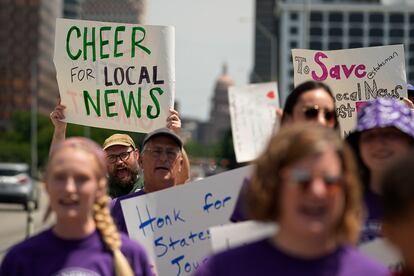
[(15, 144)]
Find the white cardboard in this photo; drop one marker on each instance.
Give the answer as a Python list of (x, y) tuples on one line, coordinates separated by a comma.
[(151, 74), (354, 75), (190, 217), (253, 118)]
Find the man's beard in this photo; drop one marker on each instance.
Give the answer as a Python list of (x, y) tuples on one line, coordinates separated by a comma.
[(124, 182)]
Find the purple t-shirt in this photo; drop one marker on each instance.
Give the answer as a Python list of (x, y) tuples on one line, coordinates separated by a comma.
[(371, 228), (263, 258), (47, 254), (116, 210), (239, 214)]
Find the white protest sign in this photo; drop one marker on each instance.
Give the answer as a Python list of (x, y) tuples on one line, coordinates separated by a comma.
[(228, 236), (382, 251), (354, 75), (173, 224), (115, 75), (253, 118)]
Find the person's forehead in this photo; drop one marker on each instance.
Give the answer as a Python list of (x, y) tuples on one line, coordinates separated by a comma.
[(318, 95), (117, 149), (163, 141)]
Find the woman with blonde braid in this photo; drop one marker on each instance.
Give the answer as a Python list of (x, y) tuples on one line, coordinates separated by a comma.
[(84, 240)]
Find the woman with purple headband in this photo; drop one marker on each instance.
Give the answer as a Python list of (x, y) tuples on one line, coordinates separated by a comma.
[(84, 240), (384, 132)]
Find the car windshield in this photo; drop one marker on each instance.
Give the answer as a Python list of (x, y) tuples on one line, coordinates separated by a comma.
[(6, 172)]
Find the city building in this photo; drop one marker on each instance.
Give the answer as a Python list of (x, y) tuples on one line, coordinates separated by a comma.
[(330, 25), (124, 11), (27, 73), (219, 122)]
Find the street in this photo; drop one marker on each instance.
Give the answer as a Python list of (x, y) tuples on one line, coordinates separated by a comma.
[(14, 223)]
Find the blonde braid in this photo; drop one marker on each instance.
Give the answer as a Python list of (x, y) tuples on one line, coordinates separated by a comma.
[(110, 236)]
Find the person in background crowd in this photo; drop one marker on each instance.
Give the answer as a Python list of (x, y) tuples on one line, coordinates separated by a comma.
[(310, 101), (161, 160), (84, 240), (122, 163), (304, 181), (410, 92), (123, 155), (384, 132), (397, 188)]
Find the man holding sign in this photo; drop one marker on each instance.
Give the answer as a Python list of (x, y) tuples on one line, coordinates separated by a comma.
[(162, 161), (123, 172)]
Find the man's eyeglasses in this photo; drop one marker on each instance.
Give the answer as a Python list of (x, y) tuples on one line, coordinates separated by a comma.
[(172, 154), (123, 156), (312, 113), (304, 180)]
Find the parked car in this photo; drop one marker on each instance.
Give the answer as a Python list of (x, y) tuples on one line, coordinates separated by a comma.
[(17, 186)]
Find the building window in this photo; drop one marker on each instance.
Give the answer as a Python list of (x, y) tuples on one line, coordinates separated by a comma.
[(376, 32), (411, 77), (355, 32), (374, 43), (335, 45), (376, 18), (355, 45), (316, 31), (293, 44), (293, 30), (412, 33), (411, 47), (356, 17), (411, 62), (315, 45), (396, 18), (335, 32), (316, 16), (396, 33), (336, 17), (293, 16), (411, 18)]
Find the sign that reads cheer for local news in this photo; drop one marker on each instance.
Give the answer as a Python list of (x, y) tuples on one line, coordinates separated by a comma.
[(113, 75), (354, 75), (173, 224)]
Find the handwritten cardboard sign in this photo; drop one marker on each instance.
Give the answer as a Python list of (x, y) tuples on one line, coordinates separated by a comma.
[(115, 75), (354, 75), (173, 224), (224, 237), (382, 251), (253, 118)]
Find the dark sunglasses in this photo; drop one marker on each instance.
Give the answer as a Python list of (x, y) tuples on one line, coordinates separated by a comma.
[(312, 112), (304, 180)]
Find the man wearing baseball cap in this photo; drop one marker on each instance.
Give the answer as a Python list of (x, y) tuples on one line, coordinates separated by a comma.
[(122, 154), (122, 163), (161, 161)]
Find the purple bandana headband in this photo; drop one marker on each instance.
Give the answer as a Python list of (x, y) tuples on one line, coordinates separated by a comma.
[(386, 112)]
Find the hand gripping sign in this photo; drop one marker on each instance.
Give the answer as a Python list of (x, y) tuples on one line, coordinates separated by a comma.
[(115, 75)]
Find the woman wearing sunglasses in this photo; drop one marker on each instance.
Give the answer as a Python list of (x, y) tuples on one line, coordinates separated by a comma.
[(305, 182), (311, 101), (84, 239), (384, 132)]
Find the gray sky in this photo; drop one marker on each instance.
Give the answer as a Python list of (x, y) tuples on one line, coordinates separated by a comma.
[(207, 33)]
